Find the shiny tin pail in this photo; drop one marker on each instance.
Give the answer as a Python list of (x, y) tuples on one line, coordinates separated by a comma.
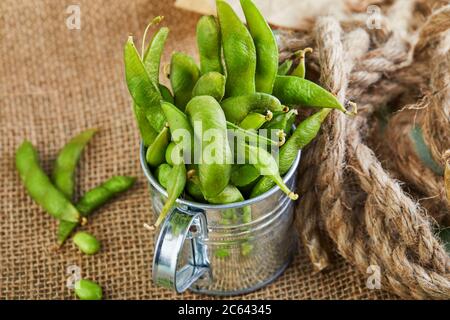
[(223, 249)]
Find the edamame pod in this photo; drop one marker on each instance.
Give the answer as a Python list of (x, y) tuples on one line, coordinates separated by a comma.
[(297, 91), (228, 195), (152, 57), (237, 108), (283, 69), (166, 94), (169, 153), (300, 70), (64, 170), (180, 129), (210, 131), (254, 121), (244, 175), (267, 166), (88, 290), (40, 187), (86, 242), (209, 45), (175, 187), (194, 189), (162, 174), (210, 84), (93, 199), (156, 152), (305, 132), (148, 134), (238, 50), (184, 74), (145, 93), (265, 45), (282, 121)]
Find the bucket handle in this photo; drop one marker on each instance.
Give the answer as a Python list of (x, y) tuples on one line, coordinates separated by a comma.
[(181, 226)]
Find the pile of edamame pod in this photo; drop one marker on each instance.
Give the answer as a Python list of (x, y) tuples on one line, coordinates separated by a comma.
[(55, 195), (238, 86)]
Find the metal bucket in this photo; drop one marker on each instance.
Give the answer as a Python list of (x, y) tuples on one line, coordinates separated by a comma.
[(210, 249)]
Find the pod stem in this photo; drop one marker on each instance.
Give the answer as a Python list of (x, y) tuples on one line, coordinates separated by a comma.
[(249, 133), (155, 21), (354, 108), (279, 181), (269, 115)]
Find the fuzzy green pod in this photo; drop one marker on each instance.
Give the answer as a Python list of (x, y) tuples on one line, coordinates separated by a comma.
[(166, 94), (296, 91), (244, 175), (94, 199), (283, 69), (210, 84), (175, 187), (238, 50), (237, 108), (148, 134), (305, 132), (206, 116), (145, 93), (152, 57), (156, 152), (39, 186), (180, 129), (63, 175), (184, 74), (162, 174), (265, 45), (267, 166), (88, 290), (300, 70), (209, 45), (86, 242), (254, 120), (194, 189), (282, 121)]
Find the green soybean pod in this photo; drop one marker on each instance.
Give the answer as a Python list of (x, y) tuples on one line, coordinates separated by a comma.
[(238, 50), (296, 91), (283, 69), (194, 189), (214, 171), (64, 170), (175, 187), (230, 194), (86, 242), (162, 174), (148, 134), (265, 45), (209, 45), (282, 121), (184, 74), (267, 166), (145, 93), (169, 153), (210, 84), (166, 94), (88, 290), (152, 57), (305, 132), (254, 121), (244, 175), (180, 129), (39, 186), (156, 152), (300, 70), (237, 108), (94, 199)]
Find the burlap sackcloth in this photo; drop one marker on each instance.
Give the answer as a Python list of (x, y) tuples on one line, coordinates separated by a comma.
[(55, 82)]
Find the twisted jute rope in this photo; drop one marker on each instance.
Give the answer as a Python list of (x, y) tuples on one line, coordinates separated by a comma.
[(348, 196)]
